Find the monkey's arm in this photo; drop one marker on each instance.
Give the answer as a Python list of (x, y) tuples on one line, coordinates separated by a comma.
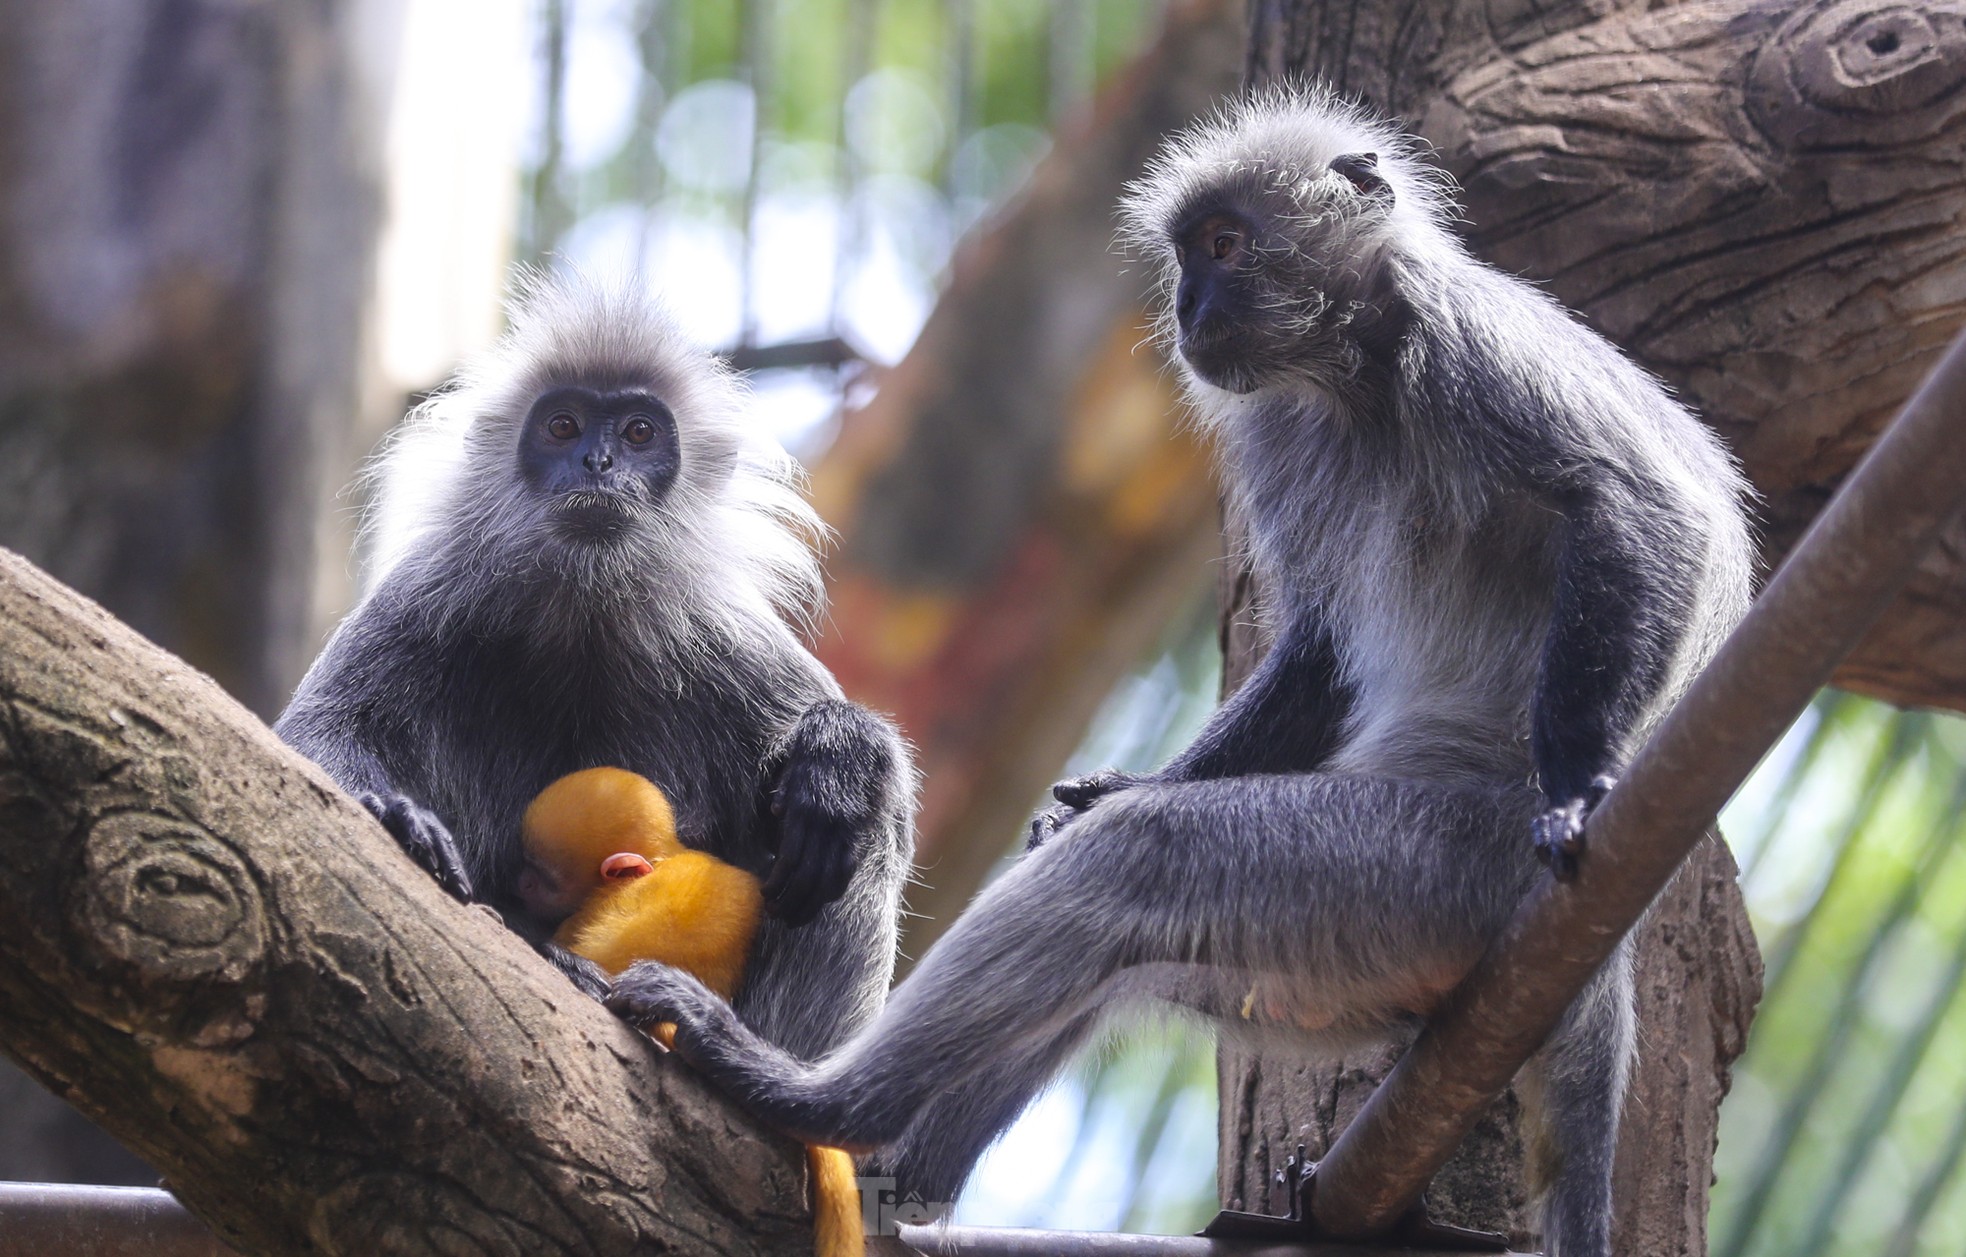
[(836, 782), (1629, 575), (1285, 718)]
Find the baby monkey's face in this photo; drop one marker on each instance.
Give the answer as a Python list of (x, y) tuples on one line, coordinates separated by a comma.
[(550, 891), (553, 890)]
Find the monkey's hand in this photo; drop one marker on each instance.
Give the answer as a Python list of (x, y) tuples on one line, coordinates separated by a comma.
[(829, 794), (648, 994), (1559, 831), (419, 833), (582, 972), (1075, 795)]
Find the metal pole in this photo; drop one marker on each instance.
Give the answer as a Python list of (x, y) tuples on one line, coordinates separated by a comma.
[(66, 1220), (62, 1220), (1860, 552), (983, 1241)]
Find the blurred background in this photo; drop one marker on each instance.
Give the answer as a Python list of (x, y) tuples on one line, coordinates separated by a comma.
[(258, 236)]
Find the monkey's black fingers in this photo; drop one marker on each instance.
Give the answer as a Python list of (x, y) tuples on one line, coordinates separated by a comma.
[(1601, 785), (582, 972), (423, 838), (1559, 838), (648, 994), (817, 856), (1083, 792), (1049, 823)]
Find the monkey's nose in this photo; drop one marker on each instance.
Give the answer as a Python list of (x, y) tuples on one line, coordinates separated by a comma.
[(597, 462)]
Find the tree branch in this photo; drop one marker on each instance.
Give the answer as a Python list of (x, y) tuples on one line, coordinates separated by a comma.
[(212, 951)]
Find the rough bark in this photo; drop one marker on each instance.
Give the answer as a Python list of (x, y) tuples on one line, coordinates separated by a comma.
[(1020, 511), (188, 200), (214, 953)]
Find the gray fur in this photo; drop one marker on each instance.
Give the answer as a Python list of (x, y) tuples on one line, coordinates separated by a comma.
[(1493, 551), (491, 654)]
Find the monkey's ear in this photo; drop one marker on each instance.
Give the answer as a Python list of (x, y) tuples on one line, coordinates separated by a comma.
[(625, 866), (1361, 170)]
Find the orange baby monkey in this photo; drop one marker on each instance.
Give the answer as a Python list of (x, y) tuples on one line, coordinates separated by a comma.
[(602, 858)]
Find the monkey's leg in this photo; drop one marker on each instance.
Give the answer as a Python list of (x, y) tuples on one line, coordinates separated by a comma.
[(934, 1158), (1575, 1091), (1359, 895)]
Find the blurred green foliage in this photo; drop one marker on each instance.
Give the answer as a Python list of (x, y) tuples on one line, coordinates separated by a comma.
[(933, 76), (1847, 1122)]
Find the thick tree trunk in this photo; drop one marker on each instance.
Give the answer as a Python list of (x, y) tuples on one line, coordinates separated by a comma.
[(187, 213), (213, 952)]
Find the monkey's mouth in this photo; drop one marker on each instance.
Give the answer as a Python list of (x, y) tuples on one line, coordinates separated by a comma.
[(1220, 361), (595, 515)]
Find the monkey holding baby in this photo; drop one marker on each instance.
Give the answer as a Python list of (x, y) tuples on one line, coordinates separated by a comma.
[(586, 557)]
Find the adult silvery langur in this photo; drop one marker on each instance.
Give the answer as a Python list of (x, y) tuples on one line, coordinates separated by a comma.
[(587, 558)]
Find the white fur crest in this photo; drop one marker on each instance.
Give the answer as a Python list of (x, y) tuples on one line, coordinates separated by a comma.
[(1289, 135), (736, 514)]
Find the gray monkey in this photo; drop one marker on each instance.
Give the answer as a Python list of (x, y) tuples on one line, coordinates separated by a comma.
[(586, 558), (1493, 551)]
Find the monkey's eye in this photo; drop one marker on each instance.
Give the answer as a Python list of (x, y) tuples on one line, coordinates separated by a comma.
[(1225, 244), (563, 426), (638, 430)]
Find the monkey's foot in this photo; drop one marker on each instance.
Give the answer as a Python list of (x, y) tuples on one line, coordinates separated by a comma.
[(648, 994), (424, 838), (1559, 832), (1075, 795)]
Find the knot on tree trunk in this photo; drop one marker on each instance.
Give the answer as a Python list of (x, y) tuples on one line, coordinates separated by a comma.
[(1834, 71), (166, 901)]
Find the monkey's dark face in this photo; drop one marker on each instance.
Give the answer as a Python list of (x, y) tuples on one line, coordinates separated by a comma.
[(1216, 251), (599, 460), (1278, 276)]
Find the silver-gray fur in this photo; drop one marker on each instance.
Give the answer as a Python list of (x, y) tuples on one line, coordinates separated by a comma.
[(1492, 552), (501, 645)]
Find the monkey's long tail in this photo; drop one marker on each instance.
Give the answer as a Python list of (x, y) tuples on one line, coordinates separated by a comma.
[(838, 1228)]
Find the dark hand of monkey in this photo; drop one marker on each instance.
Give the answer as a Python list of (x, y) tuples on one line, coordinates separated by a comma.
[(424, 838), (1559, 832), (818, 838), (1075, 795)]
